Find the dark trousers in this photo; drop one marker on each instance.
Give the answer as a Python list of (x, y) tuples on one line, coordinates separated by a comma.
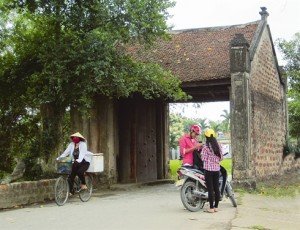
[(212, 184), (79, 170), (224, 175)]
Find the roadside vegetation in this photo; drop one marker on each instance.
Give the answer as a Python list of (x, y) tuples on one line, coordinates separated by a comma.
[(56, 57), (287, 185)]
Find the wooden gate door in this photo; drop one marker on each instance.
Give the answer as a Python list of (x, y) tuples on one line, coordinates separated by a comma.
[(137, 161)]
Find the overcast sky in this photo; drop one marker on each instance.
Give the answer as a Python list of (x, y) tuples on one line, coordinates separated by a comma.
[(284, 21)]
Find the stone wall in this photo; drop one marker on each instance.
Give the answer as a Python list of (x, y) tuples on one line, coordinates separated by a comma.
[(268, 115), (29, 192), (289, 163), (22, 193)]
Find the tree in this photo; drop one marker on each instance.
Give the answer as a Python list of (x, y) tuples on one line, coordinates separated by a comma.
[(215, 125), (176, 129), (226, 122), (291, 54), (60, 54)]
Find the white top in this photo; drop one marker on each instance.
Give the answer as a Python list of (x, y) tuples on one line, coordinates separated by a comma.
[(83, 152)]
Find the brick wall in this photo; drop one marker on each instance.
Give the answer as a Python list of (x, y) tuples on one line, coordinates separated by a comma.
[(290, 164), (28, 192), (268, 120)]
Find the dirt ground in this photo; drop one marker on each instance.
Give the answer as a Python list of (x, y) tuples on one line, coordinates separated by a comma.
[(274, 205), (159, 207)]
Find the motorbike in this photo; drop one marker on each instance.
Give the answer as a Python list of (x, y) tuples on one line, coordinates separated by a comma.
[(193, 191)]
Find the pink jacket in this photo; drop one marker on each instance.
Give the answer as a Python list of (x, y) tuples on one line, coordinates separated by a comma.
[(187, 142)]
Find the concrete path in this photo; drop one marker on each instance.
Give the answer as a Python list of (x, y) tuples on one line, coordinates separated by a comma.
[(153, 207), (261, 212), (150, 207)]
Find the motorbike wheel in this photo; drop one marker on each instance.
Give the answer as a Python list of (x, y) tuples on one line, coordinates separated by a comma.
[(230, 195), (190, 201)]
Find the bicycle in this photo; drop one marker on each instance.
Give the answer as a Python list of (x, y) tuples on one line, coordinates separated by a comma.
[(61, 188)]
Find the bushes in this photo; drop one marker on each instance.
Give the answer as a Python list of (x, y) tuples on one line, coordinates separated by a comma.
[(291, 148)]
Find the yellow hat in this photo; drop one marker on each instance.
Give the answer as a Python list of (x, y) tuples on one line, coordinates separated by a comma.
[(210, 133), (78, 135)]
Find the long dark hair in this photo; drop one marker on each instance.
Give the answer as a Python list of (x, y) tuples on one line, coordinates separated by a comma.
[(212, 143)]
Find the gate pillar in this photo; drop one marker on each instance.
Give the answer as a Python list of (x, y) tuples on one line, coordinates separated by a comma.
[(240, 106)]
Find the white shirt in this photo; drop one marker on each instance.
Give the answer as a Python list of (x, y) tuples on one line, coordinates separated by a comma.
[(83, 152)]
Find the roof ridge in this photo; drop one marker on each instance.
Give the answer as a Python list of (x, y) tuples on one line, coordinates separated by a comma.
[(212, 28)]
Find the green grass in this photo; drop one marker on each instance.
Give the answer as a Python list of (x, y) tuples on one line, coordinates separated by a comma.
[(227, 164), (258, 227), (175, 165), (286, 185)]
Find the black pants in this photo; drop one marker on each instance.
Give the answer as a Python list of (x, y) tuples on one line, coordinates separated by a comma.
[(224, 175), (79, 170), (212, 184)]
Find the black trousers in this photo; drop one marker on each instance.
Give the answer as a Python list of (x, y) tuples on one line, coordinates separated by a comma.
[(212, 184), (224, 174), (78, 169)]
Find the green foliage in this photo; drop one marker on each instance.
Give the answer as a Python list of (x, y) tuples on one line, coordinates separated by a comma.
[(179, 125), (225, 126), (227, 164), (74, 44), (290, 148), (174, 166), (61, 54), (286, 185), (176, 130), (291, 54)]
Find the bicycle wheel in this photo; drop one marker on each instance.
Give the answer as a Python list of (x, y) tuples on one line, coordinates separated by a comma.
[(61, 191), (86, 194)]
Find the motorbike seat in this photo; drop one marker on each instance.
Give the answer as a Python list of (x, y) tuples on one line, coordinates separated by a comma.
[(194, 170)]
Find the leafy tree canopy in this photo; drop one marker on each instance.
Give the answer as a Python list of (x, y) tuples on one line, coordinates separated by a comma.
[(66, 51), (291, 54), (63, 52)]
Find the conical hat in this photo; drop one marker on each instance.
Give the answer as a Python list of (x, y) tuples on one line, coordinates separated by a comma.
[(78, 135)]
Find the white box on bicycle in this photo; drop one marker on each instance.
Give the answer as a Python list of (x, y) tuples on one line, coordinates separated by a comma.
[(97, 163)]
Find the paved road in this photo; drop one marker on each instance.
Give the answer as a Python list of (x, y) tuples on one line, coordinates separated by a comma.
[(150, 207)]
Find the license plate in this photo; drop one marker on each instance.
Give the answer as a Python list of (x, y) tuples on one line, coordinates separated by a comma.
[(179, 183)]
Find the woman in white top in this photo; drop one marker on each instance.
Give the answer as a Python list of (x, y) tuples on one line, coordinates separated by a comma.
[(81, 159)]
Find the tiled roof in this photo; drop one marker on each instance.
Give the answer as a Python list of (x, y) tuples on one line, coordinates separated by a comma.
[(196, 54)]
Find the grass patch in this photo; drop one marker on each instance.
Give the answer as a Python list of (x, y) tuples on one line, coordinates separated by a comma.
[(287, 185), (258, 227), (174, 166), (278, 190), (227, 164)]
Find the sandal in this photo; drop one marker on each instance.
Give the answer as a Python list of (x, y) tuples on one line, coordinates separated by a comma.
[(210, 210)]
